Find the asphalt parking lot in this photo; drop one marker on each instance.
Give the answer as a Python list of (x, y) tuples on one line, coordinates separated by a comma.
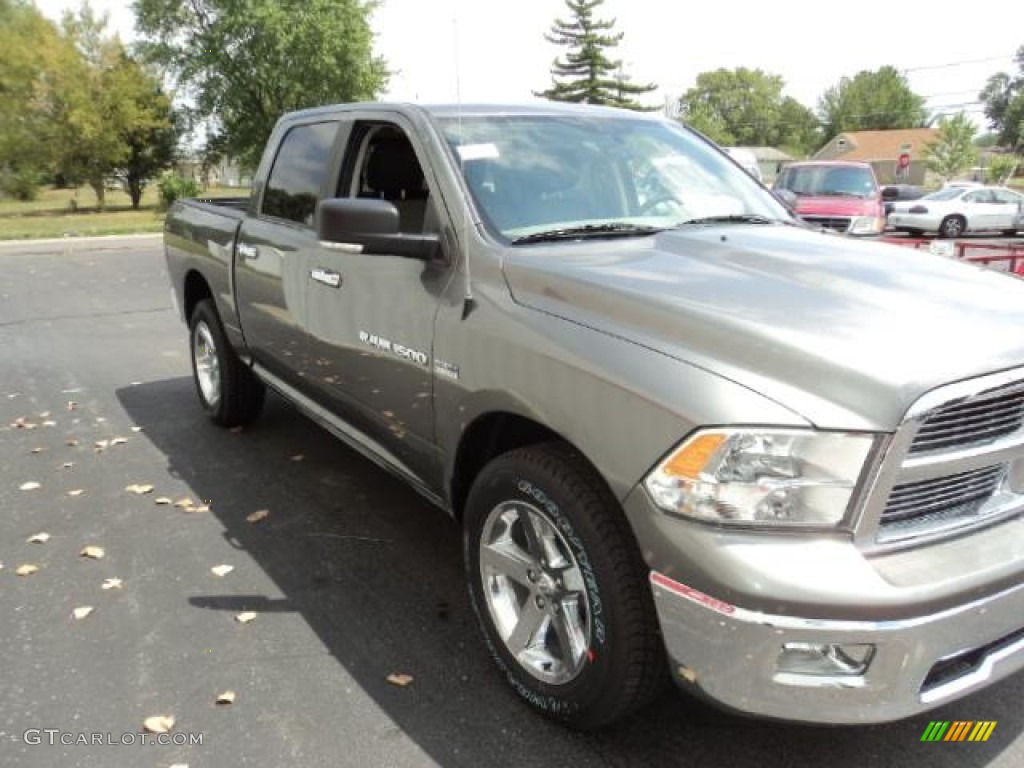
[(350, 578)]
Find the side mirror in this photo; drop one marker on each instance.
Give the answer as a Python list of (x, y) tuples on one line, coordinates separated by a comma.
[(786, 197), (890, 193), (358, 225)]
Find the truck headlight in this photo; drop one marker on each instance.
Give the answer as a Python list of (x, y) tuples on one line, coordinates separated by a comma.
[(866, 225), (751, 476)]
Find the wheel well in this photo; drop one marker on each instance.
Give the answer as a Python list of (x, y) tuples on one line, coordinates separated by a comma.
[(491, 435), (196, 289)]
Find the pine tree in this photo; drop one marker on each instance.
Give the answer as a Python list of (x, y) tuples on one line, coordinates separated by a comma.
[(587, 75)]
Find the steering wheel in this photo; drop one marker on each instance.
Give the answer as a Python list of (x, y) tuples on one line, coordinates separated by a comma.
[(655, 201)]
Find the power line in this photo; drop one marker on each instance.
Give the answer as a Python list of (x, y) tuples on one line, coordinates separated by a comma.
[(949, 64)]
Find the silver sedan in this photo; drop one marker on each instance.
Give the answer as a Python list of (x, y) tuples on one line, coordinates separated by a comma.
[(952, 211)]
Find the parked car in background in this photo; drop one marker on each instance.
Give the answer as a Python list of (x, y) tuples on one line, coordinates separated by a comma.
[(952, 211), (839, 196)]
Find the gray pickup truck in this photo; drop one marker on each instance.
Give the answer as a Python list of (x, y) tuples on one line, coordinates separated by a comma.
[(685, 436)]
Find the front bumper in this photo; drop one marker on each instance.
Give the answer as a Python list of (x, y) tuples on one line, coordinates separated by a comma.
[(732, 654)]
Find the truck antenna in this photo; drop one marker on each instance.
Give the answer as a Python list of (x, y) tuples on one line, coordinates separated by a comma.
[(468, 302)]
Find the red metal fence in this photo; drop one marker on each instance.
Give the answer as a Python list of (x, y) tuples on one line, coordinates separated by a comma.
[(1004, 257)]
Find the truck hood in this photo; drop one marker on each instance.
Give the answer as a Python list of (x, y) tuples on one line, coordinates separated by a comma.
[(836, 206), (847, 334)]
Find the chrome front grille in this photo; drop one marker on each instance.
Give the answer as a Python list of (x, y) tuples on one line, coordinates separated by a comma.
[(835, 223), (957, 462), (939, 501), (972, 421)]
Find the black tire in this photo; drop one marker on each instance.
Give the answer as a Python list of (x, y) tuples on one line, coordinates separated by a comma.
[(952, 227), (623, 665), (236, 396), (1009, 233)]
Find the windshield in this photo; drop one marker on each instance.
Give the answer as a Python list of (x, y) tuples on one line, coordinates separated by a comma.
[(949, 193), (828, 181), (603, 175)]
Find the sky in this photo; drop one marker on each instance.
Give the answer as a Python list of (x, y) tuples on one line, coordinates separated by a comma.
[(488, 51)]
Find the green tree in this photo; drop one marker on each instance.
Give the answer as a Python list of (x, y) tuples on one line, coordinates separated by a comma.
[(247, 63), (746, 107), (953, 150), (871, 101), (33, 53), (1001, 168), (588, 74), (1004, 105)]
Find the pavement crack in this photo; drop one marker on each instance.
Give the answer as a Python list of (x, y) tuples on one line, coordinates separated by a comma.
[(86, 316)]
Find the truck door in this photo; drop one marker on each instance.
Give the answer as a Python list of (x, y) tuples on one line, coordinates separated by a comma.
[(276, 244), (371, 317)]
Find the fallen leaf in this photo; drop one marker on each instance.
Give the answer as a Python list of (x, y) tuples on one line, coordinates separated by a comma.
[(298, 457), (180, 765), (39, 538), (119, 441), (245, 617), (76, 492), (181, 503), (92, 552), (227, 697), (71, 443), (222, 570), (400, 680), (44, 415), (49, 423), (158, 724), (163, 500), (136, 429), (139, 489), (68, 464), (259, 514), (200, 508), (101, 444), (82, 611), (72, 405), (29, 486), (26, 570), (111, 584), (100, 419), (38, 450)]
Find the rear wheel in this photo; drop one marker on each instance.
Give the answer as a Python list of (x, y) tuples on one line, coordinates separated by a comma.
[(952, 226), (227, 389), (559, 587)]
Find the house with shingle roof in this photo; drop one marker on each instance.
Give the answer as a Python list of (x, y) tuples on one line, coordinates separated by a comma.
[(882, 150)]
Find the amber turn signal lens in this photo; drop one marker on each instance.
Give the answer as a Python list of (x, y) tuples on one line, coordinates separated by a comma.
[(690, 461)]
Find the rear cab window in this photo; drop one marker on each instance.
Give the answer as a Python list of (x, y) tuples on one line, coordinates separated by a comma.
[(302, 162)]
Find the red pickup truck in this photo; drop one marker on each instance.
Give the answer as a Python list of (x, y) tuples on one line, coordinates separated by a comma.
[(836, 195)]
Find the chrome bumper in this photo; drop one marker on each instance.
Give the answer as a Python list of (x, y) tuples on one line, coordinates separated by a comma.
[(732, 655)]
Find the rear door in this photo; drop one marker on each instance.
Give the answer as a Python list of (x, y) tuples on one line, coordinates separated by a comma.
[(1007, 209), (276, 245), (979, 208)]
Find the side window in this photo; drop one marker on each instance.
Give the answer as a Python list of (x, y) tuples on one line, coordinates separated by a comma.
[(293, 187), (386, 168)]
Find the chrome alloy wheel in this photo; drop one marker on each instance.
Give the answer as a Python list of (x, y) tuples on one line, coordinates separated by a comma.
[(535, 592), (204, 354)]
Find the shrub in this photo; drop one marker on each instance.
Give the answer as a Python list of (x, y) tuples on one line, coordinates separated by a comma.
[(21, 185), (1001, 168), (174, 187)]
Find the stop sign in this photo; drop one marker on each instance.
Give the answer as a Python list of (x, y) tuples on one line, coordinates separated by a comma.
[(904, 161)]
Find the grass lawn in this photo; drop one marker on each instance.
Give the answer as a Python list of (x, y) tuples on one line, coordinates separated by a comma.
[(53, 214)]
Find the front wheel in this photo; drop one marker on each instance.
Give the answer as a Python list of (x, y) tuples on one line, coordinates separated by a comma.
[(228, 390), (559, 587), (952, 227)]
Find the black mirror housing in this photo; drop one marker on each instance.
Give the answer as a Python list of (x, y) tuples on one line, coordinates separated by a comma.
[(786, 197), (372, 227)]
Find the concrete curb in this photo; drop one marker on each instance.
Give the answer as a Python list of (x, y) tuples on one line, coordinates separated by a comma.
[(91, 239)]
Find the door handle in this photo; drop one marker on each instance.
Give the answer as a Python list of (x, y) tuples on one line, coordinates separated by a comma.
[(326, 276), (247, 251)]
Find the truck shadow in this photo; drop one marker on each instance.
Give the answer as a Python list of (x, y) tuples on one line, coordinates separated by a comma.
[(376, 573)]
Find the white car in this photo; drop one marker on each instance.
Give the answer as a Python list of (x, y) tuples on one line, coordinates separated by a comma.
[(952, 211)]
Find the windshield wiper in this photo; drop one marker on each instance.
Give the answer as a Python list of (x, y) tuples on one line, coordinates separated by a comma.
[(612, 229), (734, 218)]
